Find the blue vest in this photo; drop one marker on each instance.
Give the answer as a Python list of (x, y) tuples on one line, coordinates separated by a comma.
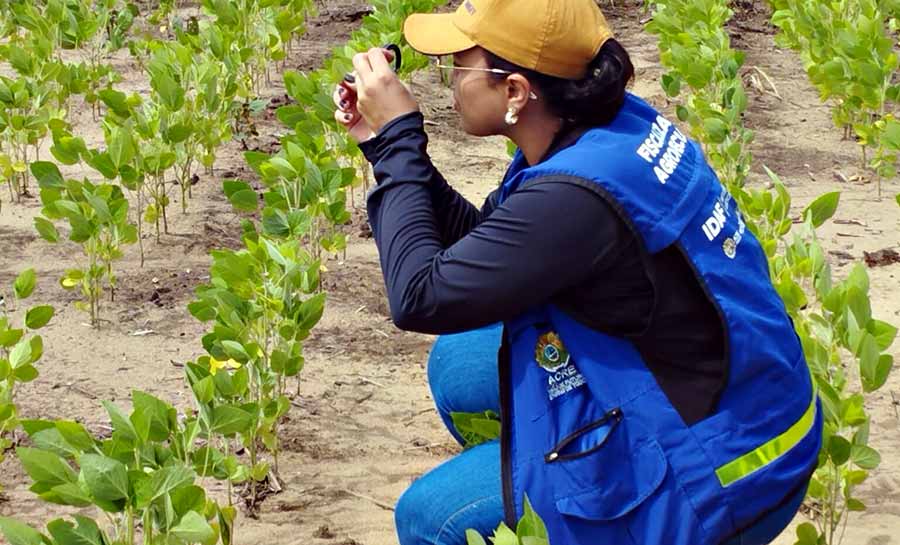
[(588, 434)]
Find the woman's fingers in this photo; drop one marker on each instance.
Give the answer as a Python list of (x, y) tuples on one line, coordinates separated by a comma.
[(376, 97), (342, 118), (363, 69), (380, 60), (348, 119), (343, 99)]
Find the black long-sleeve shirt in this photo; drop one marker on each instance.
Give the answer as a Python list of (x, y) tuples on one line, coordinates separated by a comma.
[(450, 267)]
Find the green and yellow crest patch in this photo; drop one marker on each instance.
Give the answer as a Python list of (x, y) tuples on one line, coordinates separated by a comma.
[(550, 352)]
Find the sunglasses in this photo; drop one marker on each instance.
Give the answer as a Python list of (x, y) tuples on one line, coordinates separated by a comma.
[(448, 69)]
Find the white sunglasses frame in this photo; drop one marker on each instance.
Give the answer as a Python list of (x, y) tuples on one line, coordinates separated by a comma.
[(438, 64)]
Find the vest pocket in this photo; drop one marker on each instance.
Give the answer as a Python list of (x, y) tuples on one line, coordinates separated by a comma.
[(610, 478)]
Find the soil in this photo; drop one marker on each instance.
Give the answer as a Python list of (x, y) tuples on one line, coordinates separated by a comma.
[(363, 425)]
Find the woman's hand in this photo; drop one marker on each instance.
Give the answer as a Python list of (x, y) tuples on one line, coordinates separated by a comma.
[(376, 98), (347, 113)]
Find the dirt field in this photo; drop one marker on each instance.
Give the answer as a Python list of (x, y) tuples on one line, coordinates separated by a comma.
[(364, 425)]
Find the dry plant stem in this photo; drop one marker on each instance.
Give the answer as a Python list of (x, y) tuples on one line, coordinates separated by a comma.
[(769, 81)]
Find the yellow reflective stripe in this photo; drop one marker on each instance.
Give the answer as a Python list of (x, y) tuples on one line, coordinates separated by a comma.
[(764, 455)]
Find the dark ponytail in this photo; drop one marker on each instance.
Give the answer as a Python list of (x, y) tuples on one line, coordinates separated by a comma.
[(591, 101)]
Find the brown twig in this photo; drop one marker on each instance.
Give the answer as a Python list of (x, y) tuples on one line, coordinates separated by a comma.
[(368, 498)]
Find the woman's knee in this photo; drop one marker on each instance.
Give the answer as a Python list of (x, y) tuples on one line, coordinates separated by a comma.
[(460, 366), (419, 523), (410, 516), (463, 492)]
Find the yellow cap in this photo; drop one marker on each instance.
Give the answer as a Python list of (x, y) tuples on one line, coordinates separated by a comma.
[(554, 37)]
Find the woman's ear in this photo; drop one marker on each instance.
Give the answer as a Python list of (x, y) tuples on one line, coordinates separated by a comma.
[(518, 91)]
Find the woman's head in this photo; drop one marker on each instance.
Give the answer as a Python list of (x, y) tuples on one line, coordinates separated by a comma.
[(560, 52), (484, 98)]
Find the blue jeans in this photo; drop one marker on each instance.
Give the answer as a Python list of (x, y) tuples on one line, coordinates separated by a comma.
[(465, 491)]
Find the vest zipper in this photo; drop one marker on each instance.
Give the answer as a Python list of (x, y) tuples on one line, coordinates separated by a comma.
[(554, 455), (509, 500)]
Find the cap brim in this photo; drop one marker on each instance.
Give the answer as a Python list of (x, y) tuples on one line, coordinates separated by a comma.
[(435, 34)]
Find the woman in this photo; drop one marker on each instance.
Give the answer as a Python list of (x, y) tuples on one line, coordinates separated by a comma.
[(651, 387)]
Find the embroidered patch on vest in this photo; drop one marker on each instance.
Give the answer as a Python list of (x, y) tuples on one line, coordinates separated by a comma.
[(550, 352), (729, 247), (553, 357)]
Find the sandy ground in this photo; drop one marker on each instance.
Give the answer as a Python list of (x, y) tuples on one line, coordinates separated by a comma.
[(364, 424)]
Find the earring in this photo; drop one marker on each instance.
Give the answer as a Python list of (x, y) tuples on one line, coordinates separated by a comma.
[(511, 117)]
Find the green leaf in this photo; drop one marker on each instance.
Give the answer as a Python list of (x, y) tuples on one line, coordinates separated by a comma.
[(817, 490), (46, 467), (716, 129), (807, 534), (161, 482), (46, 229), (10, 337), (530, 524), (121, 424), (153, 419), (49, 439), (852, 412), (75, 435), (68, 149), (854, 504), (275, 223), (87, 532), (47, 174), (209, 462), (474, 538), (100, 206), (311, 311), (476, 428), (178, 133), (121, 148), (18, 533), (25, 283), (21, 354), (26, 373), (236, 351), (103, 163), (861, 435), (259, 471), (204, 390), (868, 361), (228, 420), (821, 209), (116, 101), (883, 332), (839, 450), (67, 494), (193, 528), (504, 536), (865, 457), (38, 317), (106, 479), (859, 279), (202, 311), (188, 498), (882, 370), (37, 348), (856, 476), (170, 92), (245, 200)]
